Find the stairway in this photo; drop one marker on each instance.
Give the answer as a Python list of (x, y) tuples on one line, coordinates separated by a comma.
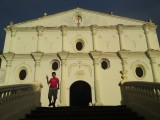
[(83, 113)]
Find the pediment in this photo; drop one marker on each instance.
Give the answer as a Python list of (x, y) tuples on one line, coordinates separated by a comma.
[(79, 17)]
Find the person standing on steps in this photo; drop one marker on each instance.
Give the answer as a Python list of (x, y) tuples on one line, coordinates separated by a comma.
[(53, 88)]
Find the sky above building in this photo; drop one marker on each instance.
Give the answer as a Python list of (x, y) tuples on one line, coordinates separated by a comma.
[(24, 10)]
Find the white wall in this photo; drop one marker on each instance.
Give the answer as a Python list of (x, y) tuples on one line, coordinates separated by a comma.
[(79, 64)]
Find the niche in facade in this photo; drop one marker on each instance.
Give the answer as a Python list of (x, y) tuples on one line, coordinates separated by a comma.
[(139, 71), (22, 74), (55, 65), (105, 64)]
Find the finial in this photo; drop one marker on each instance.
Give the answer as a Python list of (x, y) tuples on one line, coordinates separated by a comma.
[(111, 13), (150, 20), (11, 23), (45, 14)]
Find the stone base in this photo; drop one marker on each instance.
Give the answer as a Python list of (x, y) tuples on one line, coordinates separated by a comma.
[(62, 105), (98, 104)]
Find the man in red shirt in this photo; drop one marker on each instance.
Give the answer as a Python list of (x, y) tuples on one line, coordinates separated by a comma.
[(53, 88)]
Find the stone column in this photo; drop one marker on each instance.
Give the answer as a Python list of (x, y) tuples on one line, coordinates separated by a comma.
[(123, 55), (147, 28), (95, 55), (63, 56), (152, 54), (93, 30), (37, 57), (39, 40), (120, 32), (63, 29), (9, 57)]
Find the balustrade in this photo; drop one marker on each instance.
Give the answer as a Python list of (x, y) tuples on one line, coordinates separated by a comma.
[(143, 97), (146, 89), (19, 99)]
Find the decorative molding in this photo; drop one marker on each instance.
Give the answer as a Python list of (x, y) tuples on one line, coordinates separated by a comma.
[(78, 18), (129, 54), (89, 28), (79, 74), (64, 29), (138, 63), (141, 64), (79, 56), (9, 56), (95, 54), (108, 55), (39, 30), (18, 68), (78, 38), (70, 68), (63, 55), (37, 55), (123, 54), (23, 56), (79, 64), (93, 29), (153, 53), (149, 26)]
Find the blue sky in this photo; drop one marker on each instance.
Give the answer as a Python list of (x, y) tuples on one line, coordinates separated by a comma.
[(23, 10)]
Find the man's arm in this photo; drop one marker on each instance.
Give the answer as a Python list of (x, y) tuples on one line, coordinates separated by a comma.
[(58, 84), (47, 79)]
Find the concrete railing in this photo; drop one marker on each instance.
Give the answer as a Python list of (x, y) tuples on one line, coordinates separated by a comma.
[(17, 100), (143, 97)]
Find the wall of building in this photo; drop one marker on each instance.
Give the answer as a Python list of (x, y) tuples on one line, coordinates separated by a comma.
[(123, 43)]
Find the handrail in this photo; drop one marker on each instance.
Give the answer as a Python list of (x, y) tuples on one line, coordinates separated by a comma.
[(144, 97), (20, 99)]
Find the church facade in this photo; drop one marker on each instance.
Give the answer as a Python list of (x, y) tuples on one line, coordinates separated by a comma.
[(91, 52)]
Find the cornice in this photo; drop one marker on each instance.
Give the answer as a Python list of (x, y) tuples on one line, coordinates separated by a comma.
[(23, 56), (72, 28), (129, 54), (108, 55), (78, 55), (121, 54), (153, 53)]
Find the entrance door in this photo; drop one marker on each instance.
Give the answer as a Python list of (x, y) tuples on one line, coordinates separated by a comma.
[(80, 94)]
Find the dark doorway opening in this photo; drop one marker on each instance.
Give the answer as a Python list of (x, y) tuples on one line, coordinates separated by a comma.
[(80, 94)]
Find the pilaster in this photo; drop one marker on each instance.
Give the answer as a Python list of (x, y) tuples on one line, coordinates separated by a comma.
[(93, 32), (39, 35), (63, 56), (37, 57), (13, 31), (9, 57), (95, 55), (123, 56), (152, 55), (63, 29), (120, 34), (147, 28)]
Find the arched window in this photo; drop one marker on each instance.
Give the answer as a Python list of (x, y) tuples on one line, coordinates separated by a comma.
[(22, 74), (139, 71), (105, 64), (79, 46), (55, 65)]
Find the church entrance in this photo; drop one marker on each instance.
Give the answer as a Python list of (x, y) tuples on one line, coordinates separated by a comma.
[(80, 94)]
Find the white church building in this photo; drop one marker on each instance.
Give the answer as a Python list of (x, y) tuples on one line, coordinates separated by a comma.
[(91, 52)]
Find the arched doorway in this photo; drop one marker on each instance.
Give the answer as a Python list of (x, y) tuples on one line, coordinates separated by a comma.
[(80, 94)]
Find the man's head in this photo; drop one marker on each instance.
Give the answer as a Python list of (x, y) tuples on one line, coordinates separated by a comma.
[(53, 74)]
